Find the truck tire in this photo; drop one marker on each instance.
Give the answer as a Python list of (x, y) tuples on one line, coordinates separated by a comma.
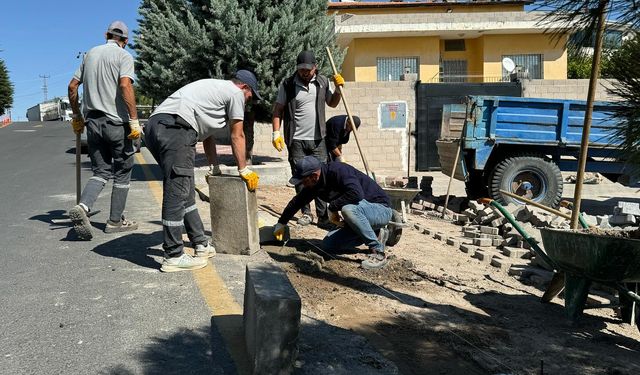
[(532, 177)]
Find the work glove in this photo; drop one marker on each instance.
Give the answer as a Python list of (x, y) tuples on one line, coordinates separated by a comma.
[(336, 219), (250, 178), (338, 80), (278, 231), (277, 140), (77, 123), (136, 130)]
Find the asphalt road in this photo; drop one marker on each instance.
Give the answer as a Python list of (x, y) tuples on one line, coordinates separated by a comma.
[(89, 307)]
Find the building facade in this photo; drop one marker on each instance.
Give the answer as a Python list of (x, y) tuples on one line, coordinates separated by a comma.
[(447, 41)]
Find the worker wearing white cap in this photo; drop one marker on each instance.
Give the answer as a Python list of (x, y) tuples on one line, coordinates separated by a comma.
[(110, 116)]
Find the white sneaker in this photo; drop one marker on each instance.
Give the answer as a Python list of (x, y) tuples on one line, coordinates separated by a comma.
[(184, 262), (205, 250)]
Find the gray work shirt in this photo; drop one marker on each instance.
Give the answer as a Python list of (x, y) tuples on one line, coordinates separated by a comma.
[(100, 73), (206, 105), (305, 119)]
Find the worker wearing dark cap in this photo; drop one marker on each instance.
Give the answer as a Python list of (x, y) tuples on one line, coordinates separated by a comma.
[(357, 206), (187, 116), (299, 119), (338, 130)]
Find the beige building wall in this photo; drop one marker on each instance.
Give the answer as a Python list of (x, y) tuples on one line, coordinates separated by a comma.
[(553, 51), (567, 89)]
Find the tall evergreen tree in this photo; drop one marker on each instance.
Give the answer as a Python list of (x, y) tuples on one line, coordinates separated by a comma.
[(6, 89), (264, 36)]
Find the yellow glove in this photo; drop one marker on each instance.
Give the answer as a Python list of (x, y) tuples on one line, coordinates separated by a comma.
[(250, 178), (278, 231), (338, 80), (334, 217), (277, 140), (136, 130), (77, 123)]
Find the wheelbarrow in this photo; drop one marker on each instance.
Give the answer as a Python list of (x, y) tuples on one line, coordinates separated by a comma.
[(583, 258)]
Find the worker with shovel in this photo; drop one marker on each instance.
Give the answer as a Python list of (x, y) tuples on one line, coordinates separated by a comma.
[(338, 130), (187, 116), (299, 111), (357, 206), (110, 116)]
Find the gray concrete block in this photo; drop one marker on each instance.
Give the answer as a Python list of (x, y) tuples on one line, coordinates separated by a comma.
[(453, 242), (440, 236), (426, 231), (483, 242), (475, 206), (271, 318), (622, 219), (488, 230), (466, 248), (484, 255), (500, 262), (512, 252), (629, 208), (496, 242), (234, 216)]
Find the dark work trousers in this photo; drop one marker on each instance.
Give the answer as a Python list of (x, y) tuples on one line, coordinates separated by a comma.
[(172, 142), (298, 149), (111, 154)]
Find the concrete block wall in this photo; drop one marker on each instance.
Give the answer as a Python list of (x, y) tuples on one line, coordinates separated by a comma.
[(385, 149), (566, 89)]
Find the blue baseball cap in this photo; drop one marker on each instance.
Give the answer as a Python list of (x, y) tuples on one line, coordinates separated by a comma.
[(250, 79), (304, 167)]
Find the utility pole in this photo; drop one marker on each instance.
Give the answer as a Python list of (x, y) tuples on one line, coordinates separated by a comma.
[(45, 89)]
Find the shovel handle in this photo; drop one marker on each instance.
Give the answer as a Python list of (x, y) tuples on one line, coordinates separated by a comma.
[(78, 155)]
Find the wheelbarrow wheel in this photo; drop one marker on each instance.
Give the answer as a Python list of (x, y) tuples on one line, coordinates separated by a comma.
[(395, 232)]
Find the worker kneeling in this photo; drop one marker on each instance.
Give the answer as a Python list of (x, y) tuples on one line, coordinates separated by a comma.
[(357, 206)]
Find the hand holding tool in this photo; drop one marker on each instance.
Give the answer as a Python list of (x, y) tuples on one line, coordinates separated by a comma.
[(278, 231), (77, 123)]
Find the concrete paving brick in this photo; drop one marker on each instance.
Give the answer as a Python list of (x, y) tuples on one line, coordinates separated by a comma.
[(440, 236), (496, 242), (483, 242), (426, 231), (417, 227), (453, 242), (511, 252), (488, 230), (466, 248), (500, 262), (484, 255), (629, 208)]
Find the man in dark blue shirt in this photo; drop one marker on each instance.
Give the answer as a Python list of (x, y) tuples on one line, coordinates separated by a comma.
[(357, 205), (338, 130)]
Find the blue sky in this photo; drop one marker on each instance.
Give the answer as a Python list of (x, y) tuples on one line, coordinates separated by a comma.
[(43, 37)]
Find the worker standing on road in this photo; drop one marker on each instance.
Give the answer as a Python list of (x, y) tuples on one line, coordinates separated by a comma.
[(110, 116), (357, 205), (187, 116), (338, 130), (301, 104)]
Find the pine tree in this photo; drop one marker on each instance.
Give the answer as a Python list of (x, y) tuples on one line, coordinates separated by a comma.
[(264, 36), (6, 89)]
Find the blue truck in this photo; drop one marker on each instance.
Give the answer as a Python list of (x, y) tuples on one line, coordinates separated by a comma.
[(521, 145)]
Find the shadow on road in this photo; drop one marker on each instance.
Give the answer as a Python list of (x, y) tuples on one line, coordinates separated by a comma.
[(137, 248)]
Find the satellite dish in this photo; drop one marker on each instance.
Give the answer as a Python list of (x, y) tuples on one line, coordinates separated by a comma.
[(508, 65)]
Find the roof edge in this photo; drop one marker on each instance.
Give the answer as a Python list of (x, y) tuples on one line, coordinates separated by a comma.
[(421, 4)]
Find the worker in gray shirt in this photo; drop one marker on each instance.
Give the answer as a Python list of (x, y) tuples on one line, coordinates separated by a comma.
[(301, 104), (113, 130), (192, 114)]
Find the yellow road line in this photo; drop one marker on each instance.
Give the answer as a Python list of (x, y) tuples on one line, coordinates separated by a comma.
[(226, 313)]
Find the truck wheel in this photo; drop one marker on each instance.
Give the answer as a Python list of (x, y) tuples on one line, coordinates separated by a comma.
[(527, 176)]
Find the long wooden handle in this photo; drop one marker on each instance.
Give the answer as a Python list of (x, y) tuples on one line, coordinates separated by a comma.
[(78, 154), (346, 108)]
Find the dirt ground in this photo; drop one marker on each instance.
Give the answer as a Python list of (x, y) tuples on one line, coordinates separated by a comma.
[(436, 310)]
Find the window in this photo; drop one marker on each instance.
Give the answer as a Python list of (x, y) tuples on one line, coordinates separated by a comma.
[(453, 71), (452, 45), (391, 68), (527, 63)]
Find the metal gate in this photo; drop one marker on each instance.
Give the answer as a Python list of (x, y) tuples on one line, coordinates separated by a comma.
[(430, 97)]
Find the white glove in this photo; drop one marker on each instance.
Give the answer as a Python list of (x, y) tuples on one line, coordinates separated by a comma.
[(136, 130)]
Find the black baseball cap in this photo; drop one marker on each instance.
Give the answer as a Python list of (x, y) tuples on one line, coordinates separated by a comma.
[(306, 60), (250, 79), (304, 167)]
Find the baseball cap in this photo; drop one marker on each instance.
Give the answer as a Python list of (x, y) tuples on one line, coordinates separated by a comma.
[(118, 28), (250, 79), (304, 167), (306, 60)]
